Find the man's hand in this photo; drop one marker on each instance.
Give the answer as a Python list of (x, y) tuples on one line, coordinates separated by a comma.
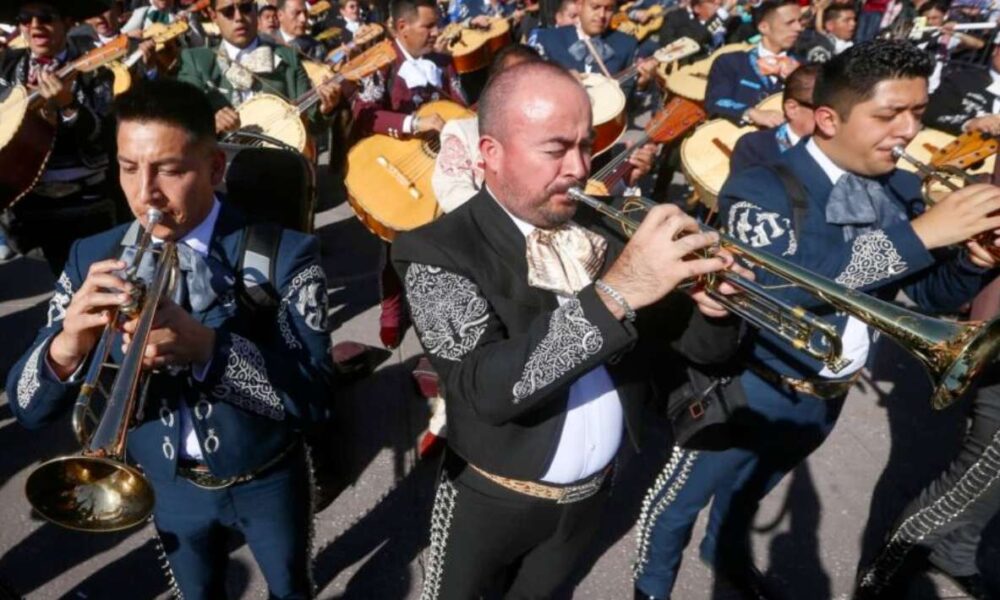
[(979, 256), (226, 119), (710, 307), (58, 92), (88, 312), (177, 338), (765, 118), (657, 258), (148, 49), (642, 162), (428, 124), (480, 22), (329, 96), (959, 216), (989, 124)]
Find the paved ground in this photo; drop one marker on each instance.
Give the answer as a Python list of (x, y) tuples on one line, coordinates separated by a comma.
[(370, 539)]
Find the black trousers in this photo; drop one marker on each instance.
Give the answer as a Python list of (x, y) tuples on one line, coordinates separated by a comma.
[(949, 515), (483, 533)]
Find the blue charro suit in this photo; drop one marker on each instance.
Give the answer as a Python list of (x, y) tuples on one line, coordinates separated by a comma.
[(759, 148), (460, 10), (562, 46), (736, 84), (781, 427), (266, 380)]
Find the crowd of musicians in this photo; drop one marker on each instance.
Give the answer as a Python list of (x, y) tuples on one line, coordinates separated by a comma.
[(551, 236)]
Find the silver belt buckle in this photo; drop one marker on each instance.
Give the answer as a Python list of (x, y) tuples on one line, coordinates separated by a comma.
[(582, 491)]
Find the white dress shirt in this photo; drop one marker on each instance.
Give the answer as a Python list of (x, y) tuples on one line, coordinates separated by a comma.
[(763, 52), (856, 336), (592, 430), (417, 72)]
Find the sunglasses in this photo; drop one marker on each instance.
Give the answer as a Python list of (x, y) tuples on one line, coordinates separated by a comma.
[(245, 8), (45, 17)]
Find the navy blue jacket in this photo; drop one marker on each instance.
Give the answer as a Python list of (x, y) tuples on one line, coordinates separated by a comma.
[(735, 84), (267, 376), (556, 44), (757, 211), (758, 148)]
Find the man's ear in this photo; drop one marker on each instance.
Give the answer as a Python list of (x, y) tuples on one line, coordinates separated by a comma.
[(827, 121), (218, 165), (492, 152)]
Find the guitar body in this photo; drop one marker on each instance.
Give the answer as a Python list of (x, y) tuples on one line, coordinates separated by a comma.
[(473, 49), (620, 21), (772, 102), (317, 72), (26, 141), (607, 103), (705, 157), (123, 77), (389, 180), (277, 118), (944, 151), (691, 80)]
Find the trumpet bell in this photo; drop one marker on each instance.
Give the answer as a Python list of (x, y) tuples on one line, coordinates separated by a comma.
[(90, 494), (956, 363)]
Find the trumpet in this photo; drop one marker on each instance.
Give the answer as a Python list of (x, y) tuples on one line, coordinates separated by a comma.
[(946, 176), (952, 353), (96, 491)]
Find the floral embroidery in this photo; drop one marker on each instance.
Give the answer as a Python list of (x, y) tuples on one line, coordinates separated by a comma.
[(245, 381), (29, 383), (60, 300), (873, 258), (449, 313), (307, 296)]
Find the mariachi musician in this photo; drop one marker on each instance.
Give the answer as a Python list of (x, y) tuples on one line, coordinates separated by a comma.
[(244, 64), (968, 99), (70, 200), (738, 81), (293, 26), (386, 103), (703, 21)]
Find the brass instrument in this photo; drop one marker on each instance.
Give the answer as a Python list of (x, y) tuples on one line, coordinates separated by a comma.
[(953, 353), (97, 491)]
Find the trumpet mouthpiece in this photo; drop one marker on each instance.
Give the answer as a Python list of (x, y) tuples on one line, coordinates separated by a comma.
[(898, 152), (153, 216)]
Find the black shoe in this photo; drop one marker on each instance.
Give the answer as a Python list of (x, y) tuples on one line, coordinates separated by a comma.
[(750, 583), (974, 585)]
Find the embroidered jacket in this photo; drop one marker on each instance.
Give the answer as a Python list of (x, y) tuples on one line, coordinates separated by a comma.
[(683, 23), (756, 210), (507, 353), (962, 96), (384, 100), (759, 148), (736, 84), (267, 377), (560, 45), (460, 10)]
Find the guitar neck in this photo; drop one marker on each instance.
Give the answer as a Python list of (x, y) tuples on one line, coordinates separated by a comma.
[(309, 99), (63, 73), (617, 167)]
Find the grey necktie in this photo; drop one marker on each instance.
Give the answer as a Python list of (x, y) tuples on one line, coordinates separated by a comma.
[(579, 50), (195, 287), (860, 205)]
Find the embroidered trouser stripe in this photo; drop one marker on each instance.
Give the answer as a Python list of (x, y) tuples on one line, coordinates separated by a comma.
[(657, 500), (441, 514), (976, 480)]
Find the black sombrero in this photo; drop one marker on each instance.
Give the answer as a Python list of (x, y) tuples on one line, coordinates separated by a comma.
[(75, 9)]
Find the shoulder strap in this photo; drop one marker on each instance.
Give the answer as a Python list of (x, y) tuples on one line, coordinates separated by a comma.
[(258, 257), (796, 194)]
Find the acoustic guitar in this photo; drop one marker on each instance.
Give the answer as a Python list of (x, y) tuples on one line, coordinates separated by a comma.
[(675, 119), (389, 180), (318, 72), (705, 157), (607, 100), (691, 80), (168, 53), (278, 118), (161, 34), (316, 11), (473, 48), (27, 136), (971, 153), (620, 21)]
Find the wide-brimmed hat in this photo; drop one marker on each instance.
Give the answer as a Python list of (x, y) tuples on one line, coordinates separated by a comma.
[(76, 9)]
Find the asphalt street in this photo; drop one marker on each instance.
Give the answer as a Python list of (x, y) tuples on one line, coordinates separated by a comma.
[(371, 529)]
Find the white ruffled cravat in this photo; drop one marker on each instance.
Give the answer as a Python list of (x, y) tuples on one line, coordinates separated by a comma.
[(420, 72)]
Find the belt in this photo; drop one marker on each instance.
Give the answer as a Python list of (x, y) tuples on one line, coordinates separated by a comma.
[(562, 494), (200, 475), (61, 189), (824, 389)]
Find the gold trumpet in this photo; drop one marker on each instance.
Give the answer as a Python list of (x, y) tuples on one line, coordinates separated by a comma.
[(96, 490), (953, 353)]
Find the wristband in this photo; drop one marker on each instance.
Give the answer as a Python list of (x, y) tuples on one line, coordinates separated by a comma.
[(617, 297)]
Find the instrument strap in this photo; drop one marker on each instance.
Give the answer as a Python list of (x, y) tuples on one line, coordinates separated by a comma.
[(796, 194), (258, 257), (597, 57)]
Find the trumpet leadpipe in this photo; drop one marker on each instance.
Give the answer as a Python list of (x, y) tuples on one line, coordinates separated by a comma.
[(926, 170)]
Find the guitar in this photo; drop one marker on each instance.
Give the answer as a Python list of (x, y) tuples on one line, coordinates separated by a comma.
[(691, 80), (161, 35), (672, 121), (27, 137), (280, 119), (319, 9), (389, 180), (705, 157), (620, 21), (473, 48), (608, 101), (365, 36), (168, 54)]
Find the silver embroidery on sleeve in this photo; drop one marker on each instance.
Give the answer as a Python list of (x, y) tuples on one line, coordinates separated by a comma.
[(306, 295), (372, 88), (760, 228), (571, 339), (245, 381), (873, 258), (29, 383), (60, 300), (448, 311)]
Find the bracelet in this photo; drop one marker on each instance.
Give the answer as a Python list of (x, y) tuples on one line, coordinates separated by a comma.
[(617, 297), (414, 122)]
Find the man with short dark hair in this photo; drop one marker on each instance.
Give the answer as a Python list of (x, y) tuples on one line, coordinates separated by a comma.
[(738, 81), (228, 391), (767, 145), (701, 21), (834, 34), (293, 26), (837, 206)]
